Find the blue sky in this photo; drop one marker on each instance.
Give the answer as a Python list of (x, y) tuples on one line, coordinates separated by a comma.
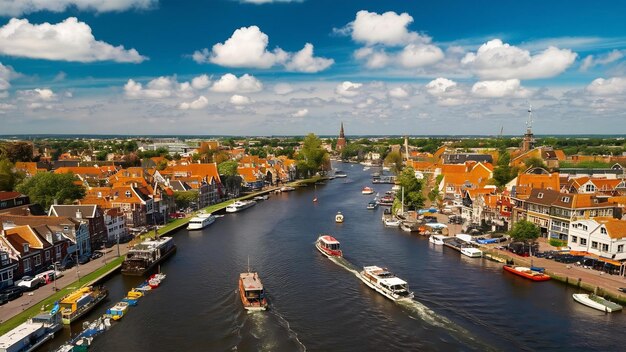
[(293, 67)]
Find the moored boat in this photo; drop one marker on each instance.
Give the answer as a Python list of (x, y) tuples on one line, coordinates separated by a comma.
[(240, 205), (118, 311), (596, 302), (155, 280), (328, 246), (471, 252), (339, 217), (147, 254), (33, 333), (409, 226), (372, 205), (386, 201), (526, 272), (436, 239), (340, 174), (251, 292), (391, 222), (367, 190), (385, 283), (259, 198), (79, 302), (287, 189), (200, 221)]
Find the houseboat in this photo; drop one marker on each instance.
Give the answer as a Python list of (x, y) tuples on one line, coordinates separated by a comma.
[(79, 302), (33, 333), (240, 205), (339, 217), (200, 221), (147, 254), (436, 239), (526, 272), (367, 190), (251, 292), (471, 252), (328, 246), (385, 283), (596, 302)]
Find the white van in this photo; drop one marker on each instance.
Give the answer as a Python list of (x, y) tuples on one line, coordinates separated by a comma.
[(29, 283)]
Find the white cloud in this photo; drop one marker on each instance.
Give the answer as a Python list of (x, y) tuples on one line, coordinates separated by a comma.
[(441, 86), (606, 87), (499, 89), (304, 61), (69, 40), (200, 103), (418, 55), (398, 93), (300, 113), (240, 100), (498, 60), (387, 29), (200, 82), (229, 83), (41, 94), (348, 89), (247, 47), (591, 61), (163, 87), (283, 88), (19, 7), (6, 75)]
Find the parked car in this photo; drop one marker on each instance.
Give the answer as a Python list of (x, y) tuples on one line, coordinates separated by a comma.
[(96, 255), (67, 263), (84, 260), (12, 293), (49, 276), (29, 283), (3, 299)]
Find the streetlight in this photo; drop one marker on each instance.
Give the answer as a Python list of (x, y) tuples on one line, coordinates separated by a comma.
[(54, 288)]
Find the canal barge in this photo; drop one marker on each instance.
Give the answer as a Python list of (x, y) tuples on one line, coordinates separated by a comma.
[(33, 333), (147, 254), (526, 272), (79, 302), (328, 246), (385, 283), (251, 292)]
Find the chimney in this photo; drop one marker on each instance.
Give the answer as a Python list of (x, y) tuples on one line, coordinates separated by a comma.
[(79, 214), (8, 225), (56, 202)]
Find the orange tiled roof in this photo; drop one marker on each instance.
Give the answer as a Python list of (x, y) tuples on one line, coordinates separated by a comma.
[(248, 173), (80, 170), (29, 167), (615, 228)]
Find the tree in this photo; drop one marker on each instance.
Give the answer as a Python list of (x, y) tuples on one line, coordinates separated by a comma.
[(395, 160), (184, 199), (413, 197), (228, 168), (17, 151), (534, 162), (312, 156), (9, 177), (525, 231), (46, 188), (503, 172)]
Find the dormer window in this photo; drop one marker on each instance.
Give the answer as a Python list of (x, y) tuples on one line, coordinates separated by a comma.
[(565, 199), (127, 194), (25, 247), (603, 231), (540, 195)]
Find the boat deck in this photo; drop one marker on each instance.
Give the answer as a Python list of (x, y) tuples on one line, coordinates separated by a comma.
[(251, 282)]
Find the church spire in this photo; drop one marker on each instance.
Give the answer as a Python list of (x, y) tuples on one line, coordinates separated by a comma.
[(341, 135)]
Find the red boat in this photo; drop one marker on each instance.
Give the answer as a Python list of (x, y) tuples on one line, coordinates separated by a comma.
[(526, 272), (328, 246)]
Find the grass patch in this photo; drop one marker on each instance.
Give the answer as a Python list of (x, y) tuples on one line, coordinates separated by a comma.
[(557, 243), (584, 165), (49, 302)]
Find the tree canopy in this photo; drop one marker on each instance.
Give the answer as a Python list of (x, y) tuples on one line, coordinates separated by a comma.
[(503, 172), (44, 188), (184, 198), (525, 231), (228, 168), (413, 197), (312, 157), (394, 159), (9, 177)]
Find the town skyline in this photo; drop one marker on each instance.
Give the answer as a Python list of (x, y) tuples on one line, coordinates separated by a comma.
[(284, 68)]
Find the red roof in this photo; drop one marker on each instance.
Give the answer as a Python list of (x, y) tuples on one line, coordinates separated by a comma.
[(9, 195), (329, 239)]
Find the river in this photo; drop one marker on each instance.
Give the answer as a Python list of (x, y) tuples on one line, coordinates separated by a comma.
[(320, 305)]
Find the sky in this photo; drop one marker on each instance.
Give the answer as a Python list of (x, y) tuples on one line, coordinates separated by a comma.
[(290, 67)]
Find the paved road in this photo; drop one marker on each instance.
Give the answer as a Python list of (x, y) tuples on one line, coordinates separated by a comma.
[(29, 299)]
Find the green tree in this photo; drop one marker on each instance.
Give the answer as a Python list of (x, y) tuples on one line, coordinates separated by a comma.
[(228, 168), (9, 177), (45, 188), (16, 151), (534, 162), (184, 198), (413, 197), (525, 231), (395, 160), (312, 157)]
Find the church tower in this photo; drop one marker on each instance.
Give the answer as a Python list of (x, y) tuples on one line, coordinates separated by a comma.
[(528, 142), (341, 141)]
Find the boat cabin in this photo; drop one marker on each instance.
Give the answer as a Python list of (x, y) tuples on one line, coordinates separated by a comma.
[(252, 291)]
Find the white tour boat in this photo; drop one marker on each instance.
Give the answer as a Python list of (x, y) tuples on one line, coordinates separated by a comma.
[(385, 283), (200, 221), (436, 239), (239, 206), (596, 302), (339, 217), (472, 252)]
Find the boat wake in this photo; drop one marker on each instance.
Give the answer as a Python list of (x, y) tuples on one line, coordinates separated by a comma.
[(416, 310)]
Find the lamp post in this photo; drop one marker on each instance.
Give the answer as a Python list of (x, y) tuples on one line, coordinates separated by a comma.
[(54, 288)]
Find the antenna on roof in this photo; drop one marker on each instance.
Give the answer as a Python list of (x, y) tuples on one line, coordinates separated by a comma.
[(529, 123)]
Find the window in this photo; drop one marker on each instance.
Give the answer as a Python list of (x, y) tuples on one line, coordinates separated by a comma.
[(27, 265), (574, 239), (605, 247), (540, 195), (583, 241), (590, 188), (127, 194), (603, 231), (47, 255), (575, 226), (594, 244), (565, 199), (38, 260), (620, 248), (584, 227), (25, 247), (4, 258)]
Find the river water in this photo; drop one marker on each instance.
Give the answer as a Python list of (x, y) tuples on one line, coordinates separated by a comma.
[(320, 305)]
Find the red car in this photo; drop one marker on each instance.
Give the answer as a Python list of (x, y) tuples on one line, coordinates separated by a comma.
[(177, 215)]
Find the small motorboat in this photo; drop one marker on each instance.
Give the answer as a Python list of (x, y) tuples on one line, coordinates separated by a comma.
[(372, 205), (526, 272), (436, 239), (339, 217), (471, 252), (367, 190), (287, 189), (328, 246), (391, 222), (118, 311), (155, 280), (315, 200), (596, 302), (409, 226)]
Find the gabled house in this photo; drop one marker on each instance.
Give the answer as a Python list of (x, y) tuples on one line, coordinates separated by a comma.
[(27, 248), (115, 222), (253, 179), (94, 216), (12, 200), (8, 266), (474, 204), (604, 237), (135, 203)]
